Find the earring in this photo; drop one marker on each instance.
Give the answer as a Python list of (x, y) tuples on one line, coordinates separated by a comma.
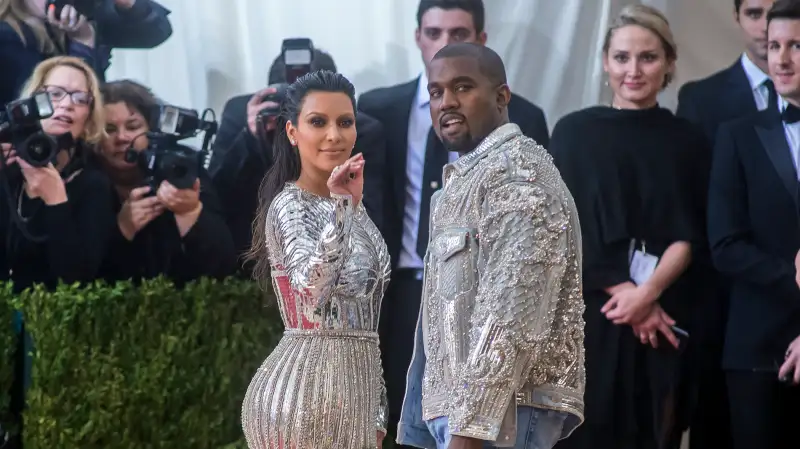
[(293, 142)]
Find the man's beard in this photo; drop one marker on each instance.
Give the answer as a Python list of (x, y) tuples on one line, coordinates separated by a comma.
[(462, 145)]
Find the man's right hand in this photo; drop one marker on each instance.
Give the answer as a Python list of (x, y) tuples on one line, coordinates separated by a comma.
[(797, 269), (138, 211), (256, 105), (790, 370)]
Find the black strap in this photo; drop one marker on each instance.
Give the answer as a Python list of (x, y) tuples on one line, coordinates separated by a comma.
[(435, 160)]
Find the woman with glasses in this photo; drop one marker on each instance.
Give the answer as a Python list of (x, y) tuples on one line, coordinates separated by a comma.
[(55, 213)]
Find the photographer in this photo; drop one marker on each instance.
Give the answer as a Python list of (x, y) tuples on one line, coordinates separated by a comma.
[(169, 231), (34, 30), (63, 201), (55, 213), (243, 152)]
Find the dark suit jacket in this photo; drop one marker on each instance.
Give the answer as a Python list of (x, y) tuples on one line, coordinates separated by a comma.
[(392, 106), (238, 165), (754, 233), (723, 96)]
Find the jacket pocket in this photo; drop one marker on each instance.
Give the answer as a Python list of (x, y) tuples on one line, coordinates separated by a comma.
[(452, 254)]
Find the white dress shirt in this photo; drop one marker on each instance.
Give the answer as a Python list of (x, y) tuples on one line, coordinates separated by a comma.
[(757, 78), (419, 125), (792, 132)]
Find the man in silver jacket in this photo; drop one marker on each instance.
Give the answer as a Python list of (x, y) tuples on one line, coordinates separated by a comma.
[(498, 357)]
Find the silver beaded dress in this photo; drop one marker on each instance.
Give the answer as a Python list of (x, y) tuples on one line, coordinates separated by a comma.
[(322, 387)]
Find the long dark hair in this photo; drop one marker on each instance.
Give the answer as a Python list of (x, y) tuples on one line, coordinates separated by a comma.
[(286, 159)]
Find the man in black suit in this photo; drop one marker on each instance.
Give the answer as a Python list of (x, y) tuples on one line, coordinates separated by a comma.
[(754, 231), (240, 159), (414, 160), (742, 88)]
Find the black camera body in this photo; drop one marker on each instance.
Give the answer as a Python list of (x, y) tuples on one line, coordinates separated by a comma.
[(297, 55), (87, 8), (20, 126), (165, 158)]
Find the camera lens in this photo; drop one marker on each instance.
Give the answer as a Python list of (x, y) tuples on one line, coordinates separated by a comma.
[(178, 170), (38, 150)]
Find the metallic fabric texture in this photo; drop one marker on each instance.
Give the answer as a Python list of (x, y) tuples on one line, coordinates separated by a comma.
[(502, 297), (322, 387)]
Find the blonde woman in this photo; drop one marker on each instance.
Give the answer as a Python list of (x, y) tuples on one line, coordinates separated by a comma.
[(638, 175), (31, 32), (64, 201)]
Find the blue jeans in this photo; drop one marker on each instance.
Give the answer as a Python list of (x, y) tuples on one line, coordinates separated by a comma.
[(536, 429)]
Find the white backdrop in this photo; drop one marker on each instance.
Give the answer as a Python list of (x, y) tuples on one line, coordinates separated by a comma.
[(551, 48)]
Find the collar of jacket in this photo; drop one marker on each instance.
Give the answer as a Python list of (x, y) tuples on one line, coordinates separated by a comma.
[(492, 142)]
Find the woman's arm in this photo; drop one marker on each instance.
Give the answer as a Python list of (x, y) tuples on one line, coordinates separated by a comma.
[(134, 24), (308, 244), (673, 264), (206, 239)]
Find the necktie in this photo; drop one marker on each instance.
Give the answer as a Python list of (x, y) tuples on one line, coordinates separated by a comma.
[(791, 114), (772, 100), (435, 160)]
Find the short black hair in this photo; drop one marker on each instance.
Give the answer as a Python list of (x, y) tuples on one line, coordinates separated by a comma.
[(321, 61), (737, 5), (473, 7), (784, 9), (136, 96), (489, 62)]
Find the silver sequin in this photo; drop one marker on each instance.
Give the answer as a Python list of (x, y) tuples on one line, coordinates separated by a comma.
[(322, 387), (502, 299)]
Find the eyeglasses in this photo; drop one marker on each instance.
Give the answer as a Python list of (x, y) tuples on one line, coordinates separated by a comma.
[(78, 97)]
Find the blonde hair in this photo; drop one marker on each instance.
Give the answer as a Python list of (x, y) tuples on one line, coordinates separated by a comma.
[(652, 20), (94, 130), (17, 15)]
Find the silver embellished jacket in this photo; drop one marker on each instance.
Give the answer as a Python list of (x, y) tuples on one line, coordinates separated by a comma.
[(502, 314)]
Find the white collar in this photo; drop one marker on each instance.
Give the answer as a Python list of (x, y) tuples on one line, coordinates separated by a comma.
[(423, 98), (754, 74)]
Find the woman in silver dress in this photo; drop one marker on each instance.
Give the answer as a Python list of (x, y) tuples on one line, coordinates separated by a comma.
[(322, 387)]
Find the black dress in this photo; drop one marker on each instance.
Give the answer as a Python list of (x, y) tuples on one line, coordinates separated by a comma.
[(635, 175)]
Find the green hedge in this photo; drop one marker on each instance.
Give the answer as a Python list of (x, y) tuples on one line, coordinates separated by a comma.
[(8, 345), (141, 367)]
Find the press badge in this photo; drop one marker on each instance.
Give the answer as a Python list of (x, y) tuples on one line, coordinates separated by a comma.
[(642, 265)]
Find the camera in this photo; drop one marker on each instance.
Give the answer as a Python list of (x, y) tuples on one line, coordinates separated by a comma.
[(87, 8), (20, 126), (165, 158), (297, 55)]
